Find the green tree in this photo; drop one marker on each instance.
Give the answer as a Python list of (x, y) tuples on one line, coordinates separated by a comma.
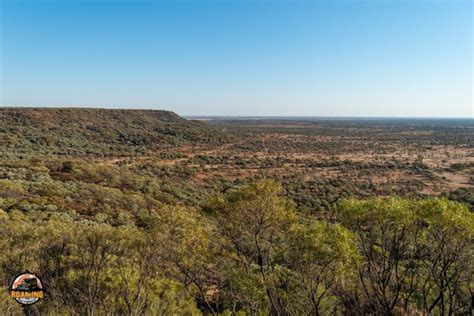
[(253, 223), (417, 254), (321, 256), (182, 239)]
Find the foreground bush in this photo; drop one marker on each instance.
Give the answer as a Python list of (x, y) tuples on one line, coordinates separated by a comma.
[(249, 251)]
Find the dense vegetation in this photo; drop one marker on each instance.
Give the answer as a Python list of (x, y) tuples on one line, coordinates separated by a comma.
[(96, 131), (249, 251), (143, 212)]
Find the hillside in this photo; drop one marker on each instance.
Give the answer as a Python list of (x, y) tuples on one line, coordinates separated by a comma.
[(97, 131), (160, 215)]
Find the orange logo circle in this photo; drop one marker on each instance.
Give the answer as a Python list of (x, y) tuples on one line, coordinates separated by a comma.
[(27, 289)]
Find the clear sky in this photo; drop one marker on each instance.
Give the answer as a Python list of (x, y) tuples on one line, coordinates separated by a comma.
[(261, 57)]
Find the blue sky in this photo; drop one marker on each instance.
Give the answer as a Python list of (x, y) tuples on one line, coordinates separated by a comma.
[(261, 57)]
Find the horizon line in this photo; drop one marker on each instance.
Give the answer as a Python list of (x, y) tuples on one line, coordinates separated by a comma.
[(238, 116), (326, 116)]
